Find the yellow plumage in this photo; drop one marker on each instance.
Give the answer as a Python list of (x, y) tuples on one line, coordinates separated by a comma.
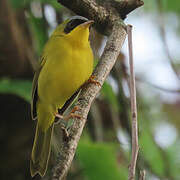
[(67, 62)]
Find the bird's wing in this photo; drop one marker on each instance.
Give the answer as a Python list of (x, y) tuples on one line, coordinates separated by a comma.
[(69, 102), (34, 88), (35, 93)]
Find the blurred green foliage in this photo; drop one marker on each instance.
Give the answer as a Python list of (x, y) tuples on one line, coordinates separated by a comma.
[(172, 7), (99, 161), (109, 94), (21, 88), (173, 156), (39, 32), (16, 4), (152, 154), (19, 4)]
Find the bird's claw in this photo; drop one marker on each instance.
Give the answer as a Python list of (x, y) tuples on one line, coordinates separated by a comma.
[(65, 132), (64, 125)]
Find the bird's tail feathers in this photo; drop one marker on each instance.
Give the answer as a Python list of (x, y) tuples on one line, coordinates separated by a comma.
[(41, 151)]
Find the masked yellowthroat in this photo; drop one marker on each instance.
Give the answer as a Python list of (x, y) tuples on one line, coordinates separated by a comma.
[(66, 64)]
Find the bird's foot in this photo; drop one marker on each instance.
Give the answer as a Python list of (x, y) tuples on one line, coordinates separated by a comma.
[(72, 114), (58, 118), (64, 125), (69, 116), (65, 132), (93, 80)]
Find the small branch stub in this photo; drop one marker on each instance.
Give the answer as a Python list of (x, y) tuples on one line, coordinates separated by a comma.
[(135, 147)]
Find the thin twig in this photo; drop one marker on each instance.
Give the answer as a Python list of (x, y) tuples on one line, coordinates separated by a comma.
[(135, 147), (100, 11), (142, 175)]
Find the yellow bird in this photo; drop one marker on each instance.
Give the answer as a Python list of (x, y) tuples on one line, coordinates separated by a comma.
[(66, 64)]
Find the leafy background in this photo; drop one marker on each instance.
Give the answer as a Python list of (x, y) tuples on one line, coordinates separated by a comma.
[(104, 150)]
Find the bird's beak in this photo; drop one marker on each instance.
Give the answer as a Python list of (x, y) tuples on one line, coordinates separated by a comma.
[(87, 23)]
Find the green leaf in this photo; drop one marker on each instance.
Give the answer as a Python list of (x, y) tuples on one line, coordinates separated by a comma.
[(152, 154), (19, 4), (172, 6), (99, 161), (173, 161), (21, 88), (149, 5), (109, 94), (39, 30)]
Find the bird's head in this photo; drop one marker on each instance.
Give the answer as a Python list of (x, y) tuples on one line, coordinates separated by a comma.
[(75, 29)]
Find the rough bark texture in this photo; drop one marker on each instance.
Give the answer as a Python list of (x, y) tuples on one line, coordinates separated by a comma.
[(102, 12), (108, 21)]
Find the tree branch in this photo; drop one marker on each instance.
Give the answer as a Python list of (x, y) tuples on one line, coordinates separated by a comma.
[(124, 7), (102, 11)]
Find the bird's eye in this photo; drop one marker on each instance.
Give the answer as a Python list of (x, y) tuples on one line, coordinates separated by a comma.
[(73, 24), (70, 25)]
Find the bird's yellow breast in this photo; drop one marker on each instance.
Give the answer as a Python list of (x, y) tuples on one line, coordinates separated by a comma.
[(67, 66)]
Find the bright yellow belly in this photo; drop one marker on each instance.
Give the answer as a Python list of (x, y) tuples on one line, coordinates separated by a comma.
[(65, 70)]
